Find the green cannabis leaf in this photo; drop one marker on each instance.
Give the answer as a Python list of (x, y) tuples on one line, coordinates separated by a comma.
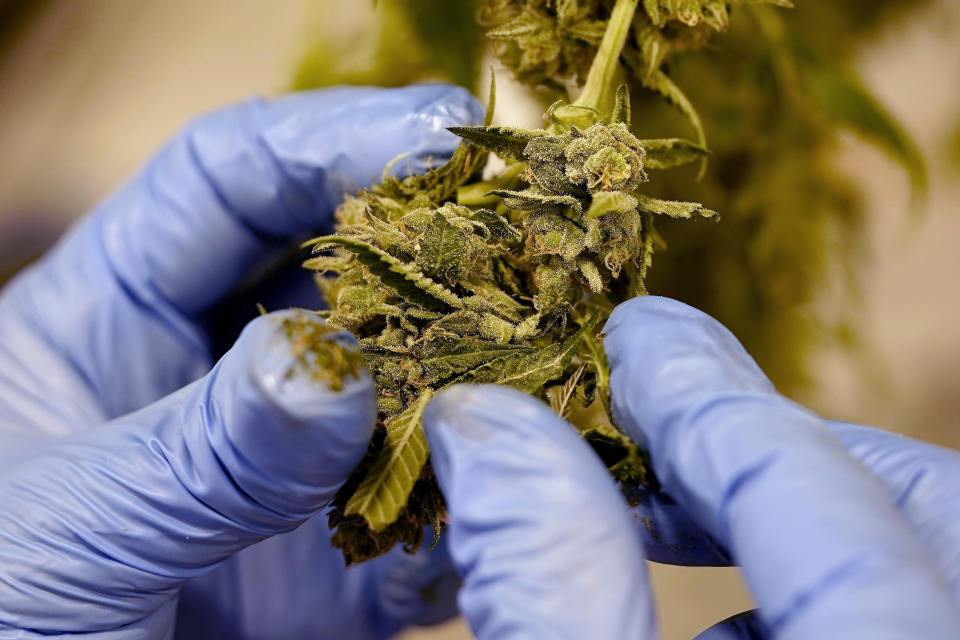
[(447, 278), (843, 97), (405, 279), (385, 488), (529, 370)]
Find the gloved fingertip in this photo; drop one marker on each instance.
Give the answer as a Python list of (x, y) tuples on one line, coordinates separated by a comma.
[(762, 474), (659, 325), (463, 417), (304, 364), (298, 408), (536, 525), (666, 359), (646, 309)]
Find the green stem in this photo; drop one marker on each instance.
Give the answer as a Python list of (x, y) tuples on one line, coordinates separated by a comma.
[(606, 64), (475, 194)]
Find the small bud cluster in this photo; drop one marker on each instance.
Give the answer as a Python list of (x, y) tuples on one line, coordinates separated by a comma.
[(545, 42), (553, 41), (605, 157)]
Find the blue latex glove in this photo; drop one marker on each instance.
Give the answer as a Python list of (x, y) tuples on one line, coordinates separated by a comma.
[(841, 531), (129, 465)]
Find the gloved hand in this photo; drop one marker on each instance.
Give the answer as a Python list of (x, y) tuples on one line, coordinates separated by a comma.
[(128, 466), (841, 531)]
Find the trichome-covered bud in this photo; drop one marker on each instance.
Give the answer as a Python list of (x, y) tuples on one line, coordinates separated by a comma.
[(605, 157), (623, 241), (446, 243), (714, 14), (545, 42), (445, 278)]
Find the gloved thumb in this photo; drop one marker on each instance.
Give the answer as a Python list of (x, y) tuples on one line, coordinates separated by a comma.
[(100, 531)]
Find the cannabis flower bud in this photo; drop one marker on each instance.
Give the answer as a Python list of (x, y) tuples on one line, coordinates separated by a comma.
[(544, 42), (715, 14), (446, 243), (446, 278), (605, 158)]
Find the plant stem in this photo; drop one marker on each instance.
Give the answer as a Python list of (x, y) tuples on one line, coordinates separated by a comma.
[(603, 72), (475, 194)]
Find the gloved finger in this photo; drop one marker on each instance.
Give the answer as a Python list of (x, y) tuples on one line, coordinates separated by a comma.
[(922, 480), (139, 273), (919, 477), (237, 180), (535, 524), (103, 529), (743, 626), (414, 589), (296, 585), (821, 545)]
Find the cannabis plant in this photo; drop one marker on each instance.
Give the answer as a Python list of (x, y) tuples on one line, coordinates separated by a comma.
[(773, 93), (447, 278)]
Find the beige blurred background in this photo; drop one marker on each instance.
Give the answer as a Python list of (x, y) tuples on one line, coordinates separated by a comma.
[(88, 88)]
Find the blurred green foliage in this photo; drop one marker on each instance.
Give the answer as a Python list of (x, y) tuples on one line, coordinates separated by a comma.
[(415, 40), (773, 93)]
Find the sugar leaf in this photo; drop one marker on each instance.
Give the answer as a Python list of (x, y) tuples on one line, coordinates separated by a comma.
[(445, 356), (384, 490), (529, 371), (498, 226), (531, 199), (404, 279), (504, 141), (605, 202), (673, 208), (666, 153), (590, 272)]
